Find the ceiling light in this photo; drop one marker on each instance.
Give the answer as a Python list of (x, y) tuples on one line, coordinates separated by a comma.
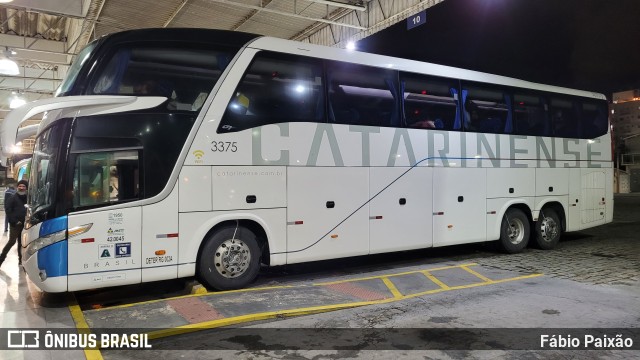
[(8, 66), (351, 45), (16, 102), (5, 1)]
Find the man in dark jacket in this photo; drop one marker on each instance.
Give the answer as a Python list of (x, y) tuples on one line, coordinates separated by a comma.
[(16, 213), (11, 189)]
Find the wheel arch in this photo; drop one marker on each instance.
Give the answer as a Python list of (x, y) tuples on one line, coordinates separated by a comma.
[(254, 226), (524, 204), (558, 208)]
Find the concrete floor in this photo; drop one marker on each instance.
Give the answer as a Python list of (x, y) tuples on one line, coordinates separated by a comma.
[(591, 281)]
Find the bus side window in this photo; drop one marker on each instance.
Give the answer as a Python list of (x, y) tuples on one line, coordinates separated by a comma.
[(362, 95), (486, 109), (564, 117), (530, 116), (276, 88), (429, 102)]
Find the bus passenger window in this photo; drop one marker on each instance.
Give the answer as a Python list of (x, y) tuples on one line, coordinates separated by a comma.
[(487, 109), (530, 116), (362, 95), (429, 102), (276, 88), (564, 114)]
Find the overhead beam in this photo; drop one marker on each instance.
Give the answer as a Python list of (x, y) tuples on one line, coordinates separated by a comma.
[(283, 13), (339, 4), (175, 13), (253, 13)]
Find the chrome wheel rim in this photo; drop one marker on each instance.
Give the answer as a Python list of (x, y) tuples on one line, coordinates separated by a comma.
[(232, 258), (515, 231), (549, 229)]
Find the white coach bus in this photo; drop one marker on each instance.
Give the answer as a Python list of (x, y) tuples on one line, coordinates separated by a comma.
[(187, 152)]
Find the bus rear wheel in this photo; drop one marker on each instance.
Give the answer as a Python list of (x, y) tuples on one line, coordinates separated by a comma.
[(230, 258), (514, 231), (548, 229)]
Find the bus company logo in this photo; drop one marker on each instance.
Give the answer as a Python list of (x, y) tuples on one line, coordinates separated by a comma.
[(20, 339), (123, 250), (106, 251), (198, 154)]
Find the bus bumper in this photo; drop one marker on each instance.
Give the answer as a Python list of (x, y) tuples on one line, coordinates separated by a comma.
[(45, 255), (38, 275)]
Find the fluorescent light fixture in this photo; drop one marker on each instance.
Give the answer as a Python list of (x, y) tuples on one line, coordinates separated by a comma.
[(16, 102), (8, 67), (5, 1)]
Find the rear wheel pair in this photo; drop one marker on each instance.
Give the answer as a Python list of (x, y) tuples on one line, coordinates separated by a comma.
[(515, 230)]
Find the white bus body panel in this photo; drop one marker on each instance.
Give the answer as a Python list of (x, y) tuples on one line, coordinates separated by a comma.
[(459, 193), (402, 226), (232, 185), (552, 181), (195, 189), (109, 254), (160, 239), (194, 227), (309, 192), (609, 195), (574, 221), (510, 182), (593, 197)]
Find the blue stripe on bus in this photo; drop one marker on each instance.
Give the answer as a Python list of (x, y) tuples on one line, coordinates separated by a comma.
[(54, 259), (53, 226)]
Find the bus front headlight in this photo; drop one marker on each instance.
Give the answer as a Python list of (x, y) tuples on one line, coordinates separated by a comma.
[(44, 241)]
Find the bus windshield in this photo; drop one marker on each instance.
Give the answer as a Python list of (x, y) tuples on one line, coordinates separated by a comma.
[(43, 177), (72, 75), (184, 75)]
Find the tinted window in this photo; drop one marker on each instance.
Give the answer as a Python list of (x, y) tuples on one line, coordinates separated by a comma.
[(564, 118), (185, 76), (276, 89), (530, 115), (362, 95), (102, 178), (160, 137), (429, 103), (594, 118), (486, 109)]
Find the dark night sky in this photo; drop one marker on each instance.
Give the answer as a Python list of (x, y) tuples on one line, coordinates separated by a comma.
[(585, 44)]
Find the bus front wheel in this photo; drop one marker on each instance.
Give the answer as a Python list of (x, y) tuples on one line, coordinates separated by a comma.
[(230, 258), (514, 231), (548, 229)]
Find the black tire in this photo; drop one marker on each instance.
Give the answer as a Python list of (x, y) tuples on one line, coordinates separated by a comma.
[(514, 231), (230, 259), (548, 229)]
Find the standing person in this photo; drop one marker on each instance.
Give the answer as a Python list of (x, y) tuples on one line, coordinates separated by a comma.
[(16, 213), (11, 189)]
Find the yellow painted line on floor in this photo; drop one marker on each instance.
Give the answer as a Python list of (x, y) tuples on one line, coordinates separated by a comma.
[(199, 293), (468, 286), (392, 275), (216, 293), (435, 280), (254, 317), (392, 287), (83, 328), (309, 310), (476, 274)]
